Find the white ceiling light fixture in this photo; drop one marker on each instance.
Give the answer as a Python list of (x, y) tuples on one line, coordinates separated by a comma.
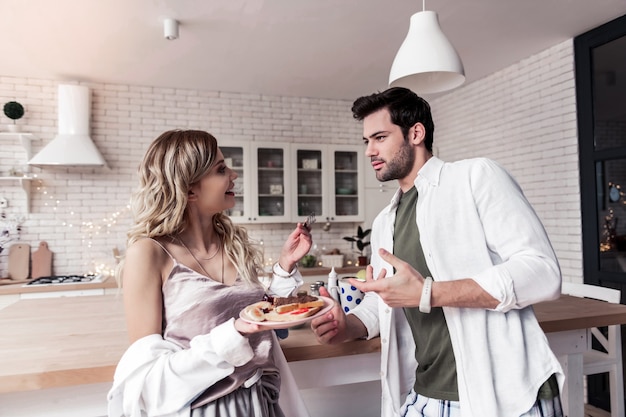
[(72, 146), (170, 29), (426, 61)]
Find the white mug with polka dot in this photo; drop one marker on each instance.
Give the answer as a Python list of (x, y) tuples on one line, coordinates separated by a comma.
[(349, 295)]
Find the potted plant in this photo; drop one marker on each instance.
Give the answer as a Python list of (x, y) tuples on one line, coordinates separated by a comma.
[(14, 111), (308, 261), (361, 244)]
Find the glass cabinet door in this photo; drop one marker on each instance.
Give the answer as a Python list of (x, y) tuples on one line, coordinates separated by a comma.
[(272, 182), (310, 182), (236, 157), (347, 185), (328, 182)]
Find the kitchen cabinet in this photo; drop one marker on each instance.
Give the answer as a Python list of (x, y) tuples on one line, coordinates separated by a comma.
[(281, 182), (264, 177), (24, 180), (237, 157), (376, 194), (328, 182)]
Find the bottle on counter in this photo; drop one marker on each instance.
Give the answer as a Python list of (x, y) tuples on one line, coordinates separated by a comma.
[(333, 284), (314, 289)]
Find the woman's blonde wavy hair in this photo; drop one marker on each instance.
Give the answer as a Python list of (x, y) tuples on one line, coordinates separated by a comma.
[(175, 161)]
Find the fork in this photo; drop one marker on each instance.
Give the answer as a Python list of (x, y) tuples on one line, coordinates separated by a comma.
[(309, 221)]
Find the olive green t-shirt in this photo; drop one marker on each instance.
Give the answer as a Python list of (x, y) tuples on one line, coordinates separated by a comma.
[(435, 376), (436, 373)]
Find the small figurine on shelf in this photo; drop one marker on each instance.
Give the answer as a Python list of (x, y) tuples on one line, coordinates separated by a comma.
[(14, 111)]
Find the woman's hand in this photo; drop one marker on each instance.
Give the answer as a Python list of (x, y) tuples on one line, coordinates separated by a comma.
[(297, 245), (246, 328)]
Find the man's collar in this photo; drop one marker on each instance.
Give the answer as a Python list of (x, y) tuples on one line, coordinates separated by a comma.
[(430, 171)]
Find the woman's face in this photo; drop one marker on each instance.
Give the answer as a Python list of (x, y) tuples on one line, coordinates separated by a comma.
[(214, 192)]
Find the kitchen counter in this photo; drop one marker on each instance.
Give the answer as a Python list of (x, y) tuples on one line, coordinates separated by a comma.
[(58, 355), (19, 288), (56, 342), (110, 283), (320, 270)]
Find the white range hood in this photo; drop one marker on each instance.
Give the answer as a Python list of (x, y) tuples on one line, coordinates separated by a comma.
[(72, 146)]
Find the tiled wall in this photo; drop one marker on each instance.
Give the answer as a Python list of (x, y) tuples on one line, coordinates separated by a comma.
[(523, 116), (82, 213)]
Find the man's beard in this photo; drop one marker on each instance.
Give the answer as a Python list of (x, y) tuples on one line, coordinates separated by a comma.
[(400, 166)]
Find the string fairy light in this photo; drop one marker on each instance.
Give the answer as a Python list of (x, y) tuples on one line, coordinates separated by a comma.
[(89, 230)]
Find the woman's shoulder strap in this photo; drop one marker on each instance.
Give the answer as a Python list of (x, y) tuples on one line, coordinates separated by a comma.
[(162, 247)]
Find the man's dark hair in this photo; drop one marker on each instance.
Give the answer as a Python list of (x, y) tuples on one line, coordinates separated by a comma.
[(405, 108)]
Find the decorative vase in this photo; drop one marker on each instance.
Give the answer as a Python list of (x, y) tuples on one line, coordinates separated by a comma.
[(362, 260), (13, 128)]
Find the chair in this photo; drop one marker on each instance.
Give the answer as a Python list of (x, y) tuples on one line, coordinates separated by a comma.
[(610, 358)]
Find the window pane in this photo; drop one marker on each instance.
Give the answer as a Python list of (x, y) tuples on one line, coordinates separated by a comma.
[(609, 90), (612, 215)]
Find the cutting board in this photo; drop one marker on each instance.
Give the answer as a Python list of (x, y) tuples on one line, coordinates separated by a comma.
[(42, 261), (19, 261)]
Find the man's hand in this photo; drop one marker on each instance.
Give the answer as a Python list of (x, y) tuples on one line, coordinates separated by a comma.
[(403, 289), (335, 326)]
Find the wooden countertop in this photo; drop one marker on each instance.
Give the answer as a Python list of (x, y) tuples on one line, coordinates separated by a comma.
[(573, 313), (55, 342), (19, 288), (320, 270), (302, 345), (7, 288), (63, 341)]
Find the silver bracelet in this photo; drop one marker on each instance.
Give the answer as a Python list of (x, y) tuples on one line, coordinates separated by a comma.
[(280, 272), (425, 299)]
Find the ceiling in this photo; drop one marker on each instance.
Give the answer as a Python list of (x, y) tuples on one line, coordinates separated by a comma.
[(338, 49)]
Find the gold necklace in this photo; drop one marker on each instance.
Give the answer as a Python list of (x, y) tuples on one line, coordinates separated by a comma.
[(219, 246), (198, 262)]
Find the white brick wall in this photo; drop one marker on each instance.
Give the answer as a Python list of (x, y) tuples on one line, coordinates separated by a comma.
[(82, 213), (523, 116)]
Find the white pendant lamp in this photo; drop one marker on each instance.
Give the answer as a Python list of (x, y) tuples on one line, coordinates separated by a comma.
[(426, 61)]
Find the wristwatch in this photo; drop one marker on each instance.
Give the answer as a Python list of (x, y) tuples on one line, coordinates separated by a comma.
[(425, 299)]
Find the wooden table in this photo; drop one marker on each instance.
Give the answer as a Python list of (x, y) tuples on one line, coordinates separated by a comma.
[(567, 322), (574, 313), (56, 342), (70, 341), (58, 357)]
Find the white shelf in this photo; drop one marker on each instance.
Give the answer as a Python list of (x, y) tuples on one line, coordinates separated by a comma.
[(24, 138), (23, 181)]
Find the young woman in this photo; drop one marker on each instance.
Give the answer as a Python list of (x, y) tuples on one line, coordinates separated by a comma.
[(187, 274)]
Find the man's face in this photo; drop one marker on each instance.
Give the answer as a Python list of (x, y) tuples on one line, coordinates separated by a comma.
[(392, 156)]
